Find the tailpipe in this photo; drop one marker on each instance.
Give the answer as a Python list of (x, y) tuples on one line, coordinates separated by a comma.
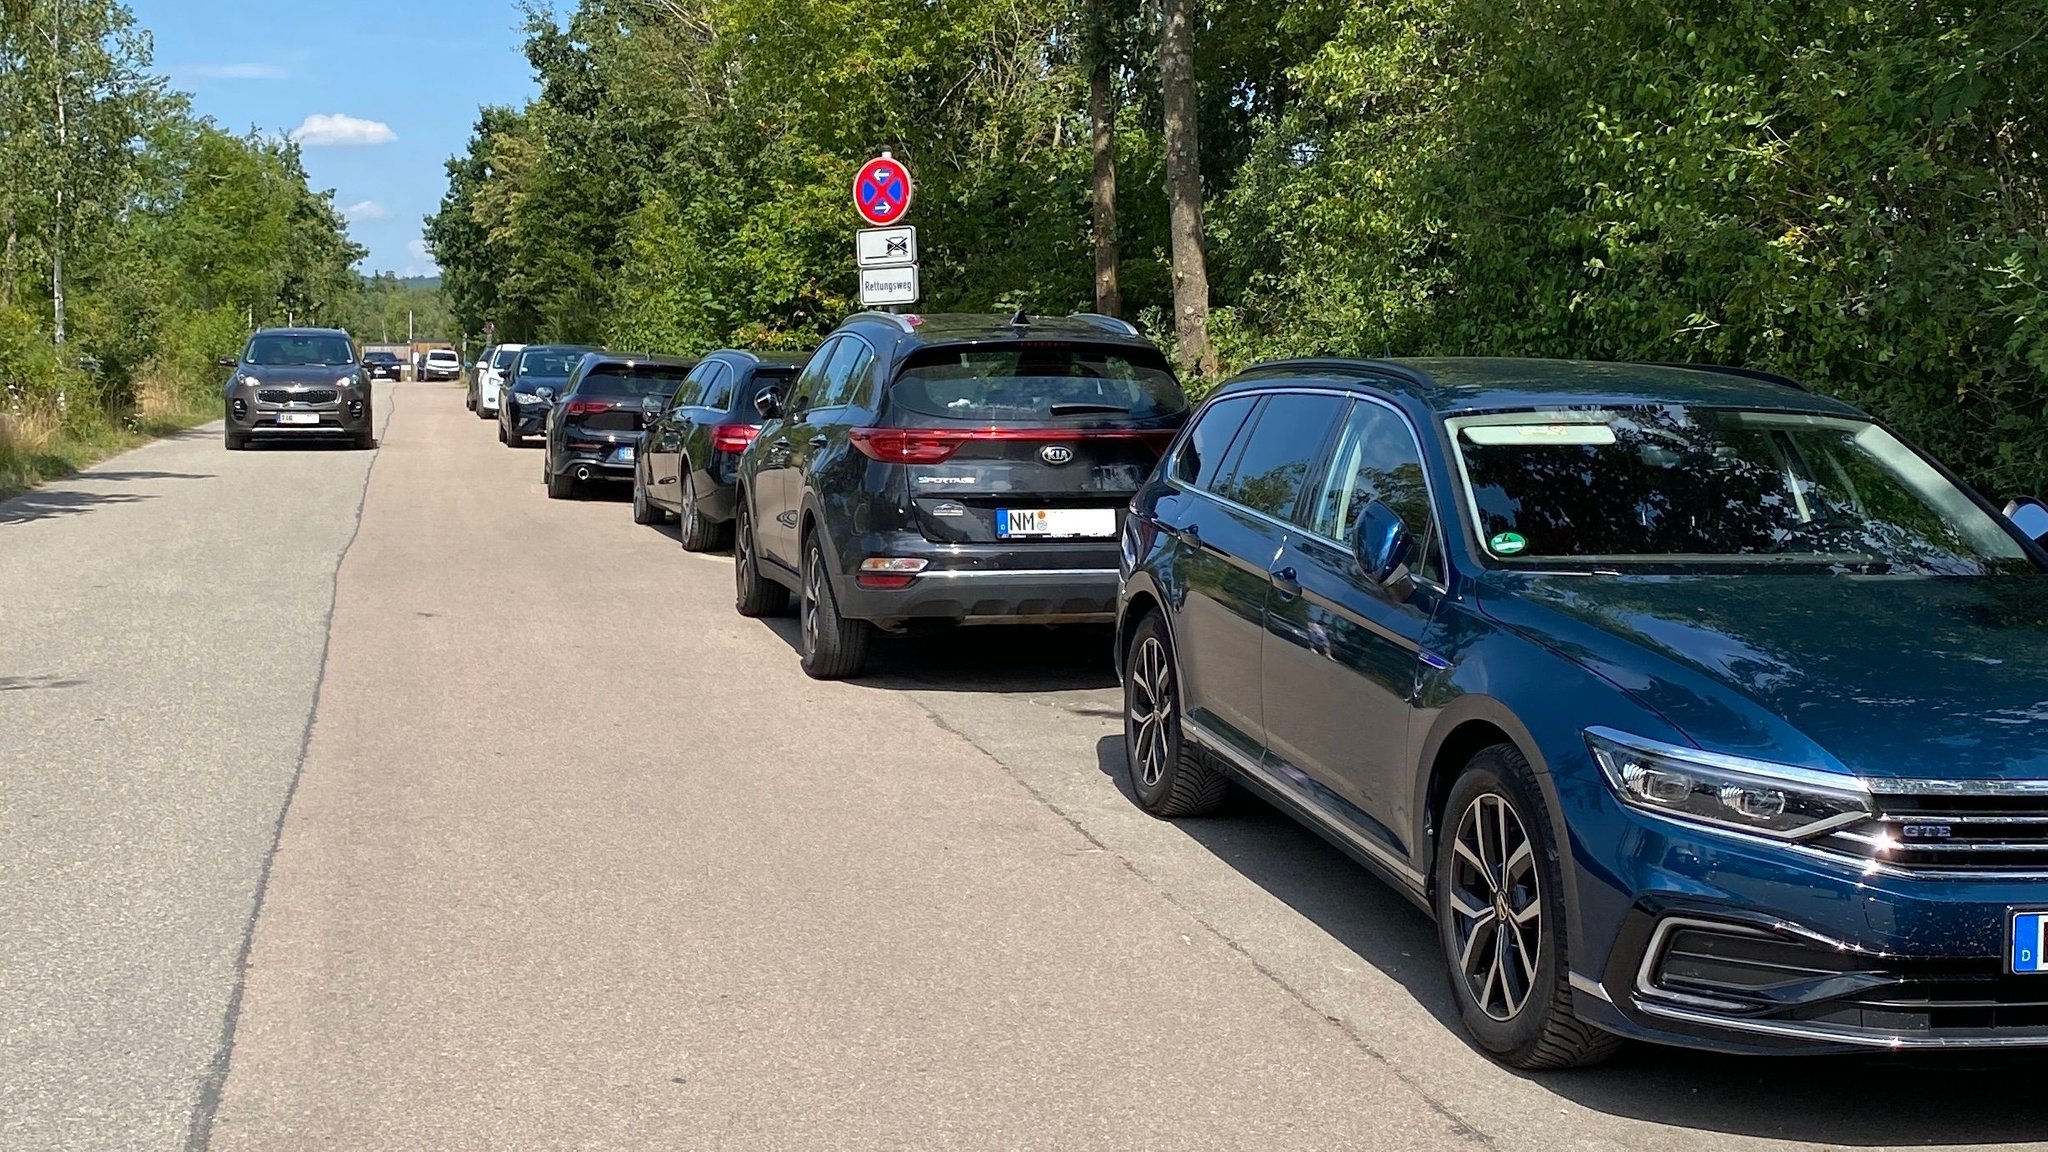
[(582, 473)]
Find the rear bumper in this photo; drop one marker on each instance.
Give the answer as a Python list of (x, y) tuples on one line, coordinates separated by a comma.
[(1059, 584), (601, 466)]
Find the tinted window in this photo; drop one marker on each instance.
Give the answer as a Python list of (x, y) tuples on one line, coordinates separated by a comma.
[(849, 371), (1377, 459), (379, 358), (777, 378), (1669, 485), (1201, 454), (714, 386), (1280, 450), (502, 359), (632, 380), (1034, 381), (550, 361), (278, 350), (810, 382)]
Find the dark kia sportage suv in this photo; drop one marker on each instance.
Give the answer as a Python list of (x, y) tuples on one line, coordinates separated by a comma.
[(296, 384), (958, 469), (1695, 707)]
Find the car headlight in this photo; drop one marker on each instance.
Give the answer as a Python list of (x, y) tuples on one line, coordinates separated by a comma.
[(347, 382), (250, 381), (1776, 800), (529, 397)]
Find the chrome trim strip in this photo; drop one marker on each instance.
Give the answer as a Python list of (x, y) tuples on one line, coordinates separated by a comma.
[(1959, 787), (979, 573), (1833, 1035), (1661, 939), (1590, 987), (1377, 851)]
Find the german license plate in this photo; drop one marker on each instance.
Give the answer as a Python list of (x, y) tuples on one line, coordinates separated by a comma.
[(622, 454), (2029, 937), (298, 417), (1071, 522)]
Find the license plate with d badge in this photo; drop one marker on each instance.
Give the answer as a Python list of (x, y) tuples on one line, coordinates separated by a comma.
[(2029, 937), (623, 454), (1087, 522)]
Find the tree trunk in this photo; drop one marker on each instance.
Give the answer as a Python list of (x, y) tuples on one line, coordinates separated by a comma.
[(7, 263), (1184, 185), (63, 149), (1109, 292)]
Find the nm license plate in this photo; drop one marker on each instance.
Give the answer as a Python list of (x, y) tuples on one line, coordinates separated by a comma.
[(1084, 522), (298, 417), (2029, 936)]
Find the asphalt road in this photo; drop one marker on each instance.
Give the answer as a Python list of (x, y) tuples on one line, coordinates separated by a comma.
[(578, 858)]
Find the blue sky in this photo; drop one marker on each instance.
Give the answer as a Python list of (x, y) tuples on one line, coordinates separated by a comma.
[(380, 92)]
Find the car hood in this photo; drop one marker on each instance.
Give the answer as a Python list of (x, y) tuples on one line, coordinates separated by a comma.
[(1897, 677), (323, 375)]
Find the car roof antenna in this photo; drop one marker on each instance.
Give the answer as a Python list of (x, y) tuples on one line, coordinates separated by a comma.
[(1020, 320)]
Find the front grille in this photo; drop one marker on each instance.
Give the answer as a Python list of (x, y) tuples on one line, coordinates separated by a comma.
[(1972, 832), (313, 396)]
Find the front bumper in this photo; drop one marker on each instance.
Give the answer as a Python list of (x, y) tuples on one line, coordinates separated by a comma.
[(525, 420), (1727, 941), (346, 416), (981, 584)]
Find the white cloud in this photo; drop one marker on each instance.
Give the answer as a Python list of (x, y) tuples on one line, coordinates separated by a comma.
[(246, 71), (365, 210), (425, 265), (338, 131)]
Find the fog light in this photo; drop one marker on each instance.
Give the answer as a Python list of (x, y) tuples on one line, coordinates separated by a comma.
[(241, 408), (355, 409), (889, 571)]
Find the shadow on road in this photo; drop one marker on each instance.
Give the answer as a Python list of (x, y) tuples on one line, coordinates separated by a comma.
[(47, 504), (1026, 658), (1874, 1100)]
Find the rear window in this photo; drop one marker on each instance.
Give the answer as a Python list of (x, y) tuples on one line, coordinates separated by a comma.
[(1038, 382), (546, 362), (637, 380)]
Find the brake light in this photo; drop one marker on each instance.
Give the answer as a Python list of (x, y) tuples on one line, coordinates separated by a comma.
[(936, 445), (732, 437), (889, 571), (589, 407)]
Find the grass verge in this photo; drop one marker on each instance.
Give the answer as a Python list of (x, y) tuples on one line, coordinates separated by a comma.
[(38, 445)]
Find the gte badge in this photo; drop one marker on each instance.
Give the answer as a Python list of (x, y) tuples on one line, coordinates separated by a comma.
[(2029, 936)]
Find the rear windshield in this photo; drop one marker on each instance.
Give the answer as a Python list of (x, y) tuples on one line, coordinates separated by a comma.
[(550, 361), (638, 380), (1038, 382), (299, 351)]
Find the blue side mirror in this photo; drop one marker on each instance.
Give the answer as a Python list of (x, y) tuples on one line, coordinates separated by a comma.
[(1381, 543)]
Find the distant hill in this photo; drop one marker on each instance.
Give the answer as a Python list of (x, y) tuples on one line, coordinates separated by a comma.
[(421, 283)]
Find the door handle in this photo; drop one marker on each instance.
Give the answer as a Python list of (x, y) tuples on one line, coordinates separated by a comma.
[(1192, 534), (1287, 582)]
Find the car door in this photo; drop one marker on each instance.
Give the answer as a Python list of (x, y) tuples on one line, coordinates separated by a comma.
[(1342, 653), (1226, 539), (820, 463), (773, 493), (661, 447)]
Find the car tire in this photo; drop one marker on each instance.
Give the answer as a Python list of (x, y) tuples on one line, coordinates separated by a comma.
[(1493, 856), (833, 647), (753, 594), (235, 442), (469, 399), (561, 485), (644, 511), (697, 534), (501, 434), (1168, 775)]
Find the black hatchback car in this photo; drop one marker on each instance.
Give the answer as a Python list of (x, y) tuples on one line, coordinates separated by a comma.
[(532, 381), (689, 459), (593, 430), (967, 469)]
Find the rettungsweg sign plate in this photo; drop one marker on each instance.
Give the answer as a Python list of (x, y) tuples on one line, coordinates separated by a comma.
[(882, 286), (885, 247)]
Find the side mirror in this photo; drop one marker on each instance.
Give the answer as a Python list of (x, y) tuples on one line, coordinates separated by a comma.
[(768, 404), (229, 361), (2030, 516), (1382, 545)]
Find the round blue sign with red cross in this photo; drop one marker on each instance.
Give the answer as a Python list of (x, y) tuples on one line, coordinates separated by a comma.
[(881, 192)]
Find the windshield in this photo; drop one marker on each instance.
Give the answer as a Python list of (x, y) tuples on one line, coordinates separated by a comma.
[(380, 357), (442, 356), (503, 359), (550, 361), (638, 380), (1029, 382), (303, 350), (1670, 487)]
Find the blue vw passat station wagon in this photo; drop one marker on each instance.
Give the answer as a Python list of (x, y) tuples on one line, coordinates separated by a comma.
[(1693, 706)]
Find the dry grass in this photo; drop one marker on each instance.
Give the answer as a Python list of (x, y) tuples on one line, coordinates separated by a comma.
[(37, 445)]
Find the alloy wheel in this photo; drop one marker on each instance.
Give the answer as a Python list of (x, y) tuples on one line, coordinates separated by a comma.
[(1150, 710), (1497, 906), (814, 573), (743, 554)]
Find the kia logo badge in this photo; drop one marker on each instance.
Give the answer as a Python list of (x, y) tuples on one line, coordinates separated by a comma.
[(1056, 454)]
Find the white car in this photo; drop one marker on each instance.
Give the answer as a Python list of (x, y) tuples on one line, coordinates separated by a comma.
[(441, 364), (490, 378)]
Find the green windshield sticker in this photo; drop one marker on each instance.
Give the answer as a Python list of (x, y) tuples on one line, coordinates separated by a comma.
[(1507, 543)]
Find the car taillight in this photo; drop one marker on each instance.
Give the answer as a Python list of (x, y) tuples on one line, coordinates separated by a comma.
[(936, 445), (732, 437), (589, 407), (889, 571)]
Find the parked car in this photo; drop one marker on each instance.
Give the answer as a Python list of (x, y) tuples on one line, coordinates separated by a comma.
[(949, 469), (533, 379), (689, 459), (441, 364), (1693, 706), (489, 379), (383, 365), (297, 384), (593, 430)]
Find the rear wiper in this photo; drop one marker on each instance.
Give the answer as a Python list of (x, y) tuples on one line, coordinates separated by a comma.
[(1080, 408)]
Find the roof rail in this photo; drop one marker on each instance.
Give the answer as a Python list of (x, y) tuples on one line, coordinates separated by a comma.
[(1361, 367), (895, 318), (1757, 374), (1114, 324)]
